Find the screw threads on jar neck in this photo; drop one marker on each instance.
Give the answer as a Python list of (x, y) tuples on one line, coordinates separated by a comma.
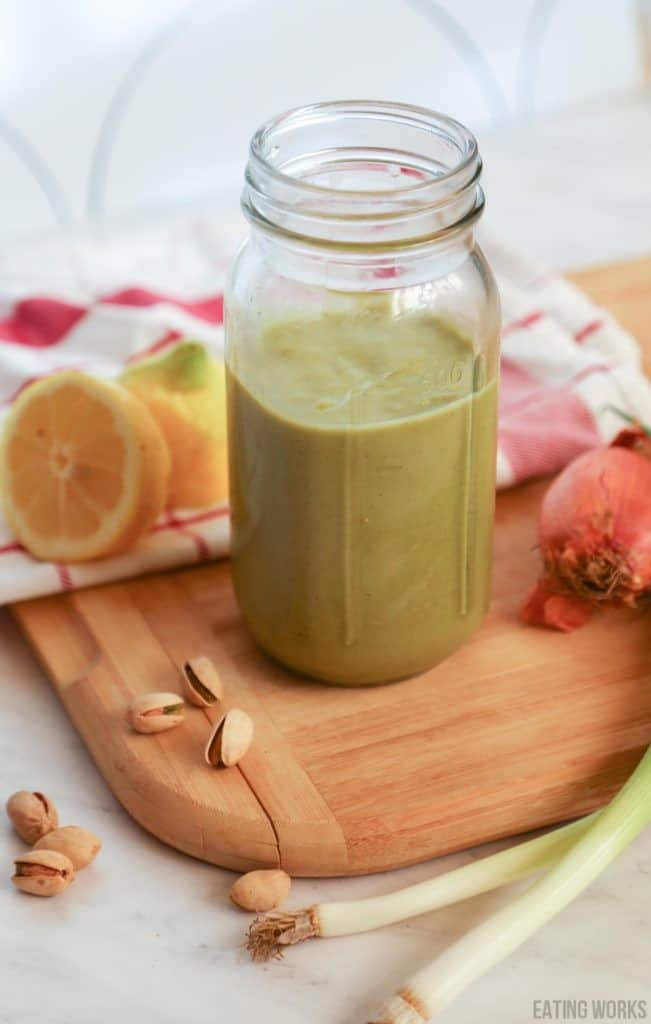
[(363, 175)]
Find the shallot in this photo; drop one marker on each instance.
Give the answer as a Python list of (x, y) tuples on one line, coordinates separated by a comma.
[(595, 534)]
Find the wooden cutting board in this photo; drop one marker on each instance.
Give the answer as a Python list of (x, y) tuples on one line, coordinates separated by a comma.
[(518, 729)]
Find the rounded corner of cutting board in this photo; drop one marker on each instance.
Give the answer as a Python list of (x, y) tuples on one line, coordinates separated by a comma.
[(226, 840)]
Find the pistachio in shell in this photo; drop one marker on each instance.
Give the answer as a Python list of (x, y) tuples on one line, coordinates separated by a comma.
[(43, 872), (79, 845), (32, 814), (202, 683), (230, 739), (156, 712)]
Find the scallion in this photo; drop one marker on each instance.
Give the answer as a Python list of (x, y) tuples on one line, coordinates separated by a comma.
[(270, 934), (434, 987)]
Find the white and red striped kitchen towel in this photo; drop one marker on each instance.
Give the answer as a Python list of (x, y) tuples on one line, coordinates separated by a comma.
[(95, 304)]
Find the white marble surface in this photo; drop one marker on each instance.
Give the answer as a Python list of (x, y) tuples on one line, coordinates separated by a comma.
[(573, 188), (146, 935)]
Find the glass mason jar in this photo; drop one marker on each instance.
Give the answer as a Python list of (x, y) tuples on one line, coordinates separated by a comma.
[(362, 346)]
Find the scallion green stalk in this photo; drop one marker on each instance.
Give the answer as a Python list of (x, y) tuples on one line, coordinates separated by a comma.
[(434, 987), (270, 934)]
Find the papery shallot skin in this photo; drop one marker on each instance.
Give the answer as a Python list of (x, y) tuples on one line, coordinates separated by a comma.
[(544, 607), (595, 527), (595, 535)]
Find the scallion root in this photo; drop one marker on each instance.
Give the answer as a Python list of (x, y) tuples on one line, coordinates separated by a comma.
[(269, 935)]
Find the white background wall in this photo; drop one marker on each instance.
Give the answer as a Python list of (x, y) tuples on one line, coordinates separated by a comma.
[(110, 108)]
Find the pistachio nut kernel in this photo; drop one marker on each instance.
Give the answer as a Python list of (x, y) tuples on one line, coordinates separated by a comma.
[(156, 712), (212, 752), (79, 845), (32, 814), (202, 684), (43, 872)]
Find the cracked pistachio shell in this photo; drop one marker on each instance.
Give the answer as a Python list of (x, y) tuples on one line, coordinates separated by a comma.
[(32, 814), (230, 739), (43, 872), (79, 845), (202, 684), (156, 712)]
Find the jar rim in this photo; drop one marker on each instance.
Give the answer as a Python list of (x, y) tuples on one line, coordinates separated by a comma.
[(419, 116), (360, 145)]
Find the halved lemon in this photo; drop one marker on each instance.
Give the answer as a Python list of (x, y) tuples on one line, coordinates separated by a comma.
[(83, 468)]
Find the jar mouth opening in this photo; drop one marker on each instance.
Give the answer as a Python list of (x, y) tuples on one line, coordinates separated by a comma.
[(266, 155), (362, 172)]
